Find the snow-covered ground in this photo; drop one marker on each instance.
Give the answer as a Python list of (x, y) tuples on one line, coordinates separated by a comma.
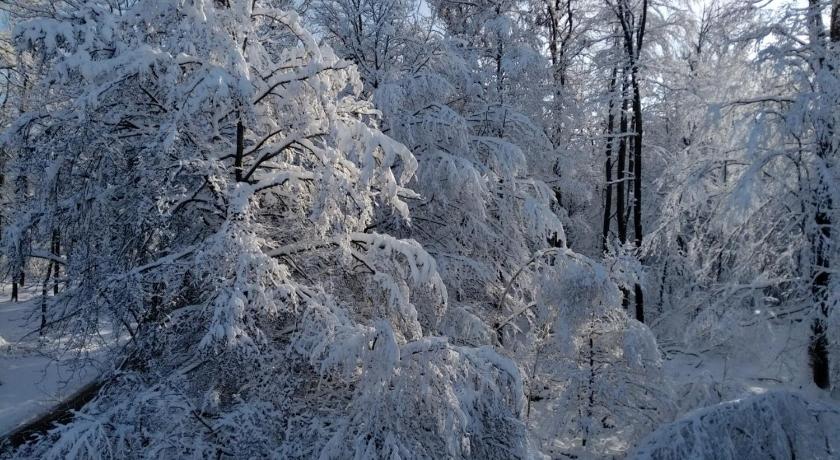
[(765, 357), (31, 379)]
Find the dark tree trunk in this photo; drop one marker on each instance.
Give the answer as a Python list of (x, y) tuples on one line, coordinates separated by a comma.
[(637, 181), (240, 150), (818, 348), (21, 186), (56, 250), (821, 240), (637, 160), (608, 164), (621, 177), (43, 327), (633, 39), (620, 186), (640, 303), (560, 23)]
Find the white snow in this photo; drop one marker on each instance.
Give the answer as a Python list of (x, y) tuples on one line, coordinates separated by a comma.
[(31, 382), (770, 425)]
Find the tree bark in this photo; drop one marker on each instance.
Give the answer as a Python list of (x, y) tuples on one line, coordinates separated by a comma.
[(608, 164), (821, 239), (637, 181), (43, 327), (240, 150), (56, 250), (633, 40), (620, 178), (637, 159)]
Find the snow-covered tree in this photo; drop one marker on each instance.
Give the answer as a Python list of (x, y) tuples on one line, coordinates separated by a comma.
[(595, 382), (749, 217), (483, 206), (214, 175), (414, 229)]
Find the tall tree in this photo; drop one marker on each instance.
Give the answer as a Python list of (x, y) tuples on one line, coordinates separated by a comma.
[(608, 165), (751, 209), (217, 174), (632, 19), (824, 64)]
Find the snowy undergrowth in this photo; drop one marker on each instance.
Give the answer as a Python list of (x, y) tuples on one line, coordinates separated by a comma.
[(772, 425)]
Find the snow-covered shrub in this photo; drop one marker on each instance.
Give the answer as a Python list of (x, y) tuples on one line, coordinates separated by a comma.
[(771, 425), (595, 378)]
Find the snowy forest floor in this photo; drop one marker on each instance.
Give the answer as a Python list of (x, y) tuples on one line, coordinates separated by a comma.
[(36, 373), (765, 357)]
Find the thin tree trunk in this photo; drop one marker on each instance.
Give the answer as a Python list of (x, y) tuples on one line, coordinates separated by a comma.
[(608, 165), (621, 195), (637, 159), (44, 299), (637, 181), (240, 150), (662, 281), (56, 250)]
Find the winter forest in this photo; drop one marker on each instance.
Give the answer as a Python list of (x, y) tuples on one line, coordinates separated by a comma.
[(420, 229)]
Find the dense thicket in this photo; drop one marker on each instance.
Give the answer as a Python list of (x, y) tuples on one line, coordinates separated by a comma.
[(430, 229)]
